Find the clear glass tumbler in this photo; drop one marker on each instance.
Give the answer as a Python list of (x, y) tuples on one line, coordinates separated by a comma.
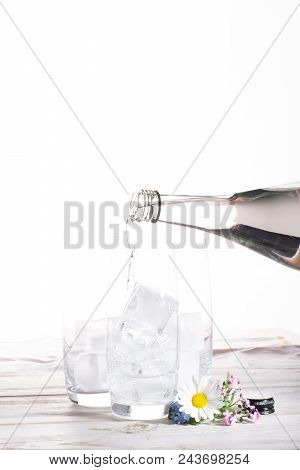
[(85, 360), (195, 314), (142, 340)]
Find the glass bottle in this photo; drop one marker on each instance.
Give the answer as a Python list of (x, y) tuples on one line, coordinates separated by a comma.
[(264, 220)]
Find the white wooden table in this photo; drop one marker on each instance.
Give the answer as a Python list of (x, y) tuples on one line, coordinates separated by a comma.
[(53, 422)]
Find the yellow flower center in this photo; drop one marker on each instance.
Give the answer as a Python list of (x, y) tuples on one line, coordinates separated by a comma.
[(199, 400)]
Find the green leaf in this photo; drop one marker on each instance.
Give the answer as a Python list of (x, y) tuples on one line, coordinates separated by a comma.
[(193, 422)]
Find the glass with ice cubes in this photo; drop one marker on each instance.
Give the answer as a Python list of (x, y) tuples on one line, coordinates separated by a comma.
[(142, 349), (85, 361)]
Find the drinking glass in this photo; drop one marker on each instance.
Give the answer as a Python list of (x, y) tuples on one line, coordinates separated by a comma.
[(85, 360), (142, 350), (195, 313)]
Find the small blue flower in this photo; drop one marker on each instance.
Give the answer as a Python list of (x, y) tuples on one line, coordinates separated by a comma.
[(179, 417)]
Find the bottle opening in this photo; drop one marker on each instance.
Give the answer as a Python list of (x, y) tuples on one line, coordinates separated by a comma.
[(145, 206)]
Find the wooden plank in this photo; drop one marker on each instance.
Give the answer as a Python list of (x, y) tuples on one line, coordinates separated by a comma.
[(55, 423)]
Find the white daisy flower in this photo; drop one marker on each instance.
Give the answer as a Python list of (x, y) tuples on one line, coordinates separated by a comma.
[(200, 399)]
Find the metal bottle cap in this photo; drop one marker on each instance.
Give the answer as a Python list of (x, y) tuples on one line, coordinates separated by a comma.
[(264, 406)]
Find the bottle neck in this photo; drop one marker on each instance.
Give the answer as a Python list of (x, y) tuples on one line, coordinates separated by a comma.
[(274, 210), (146, 205)]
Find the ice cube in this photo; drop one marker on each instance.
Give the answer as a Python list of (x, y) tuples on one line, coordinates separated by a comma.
[(189, 366), (91, 336), (193, 363), (143, 339), (149, 308), (156, 389), (142, 345), (140, 353), (145, 390), (122, 388), (191, 331), (90, 372)]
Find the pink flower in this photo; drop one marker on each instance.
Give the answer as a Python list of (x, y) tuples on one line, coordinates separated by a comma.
[(255, 416), (229, 418), (246, 403), (234, 383)]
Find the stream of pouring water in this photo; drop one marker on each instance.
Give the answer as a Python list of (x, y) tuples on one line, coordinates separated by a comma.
[(130, 271)]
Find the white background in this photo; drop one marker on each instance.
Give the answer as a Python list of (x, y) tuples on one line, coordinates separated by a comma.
[(149, 80)]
